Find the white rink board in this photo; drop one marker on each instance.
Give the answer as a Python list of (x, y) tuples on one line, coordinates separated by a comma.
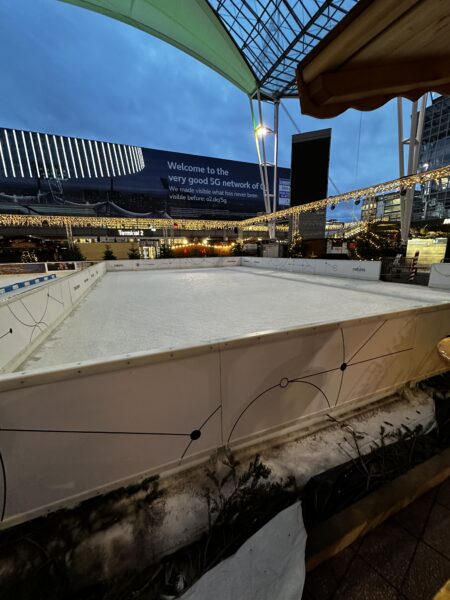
[(156, 310), (440, 276), (351, 269), (173, 263), (27, 318), (72, 433), (75, 431)]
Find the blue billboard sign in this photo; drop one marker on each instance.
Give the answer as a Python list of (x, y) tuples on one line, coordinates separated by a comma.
[(180, 185), (197, 186)]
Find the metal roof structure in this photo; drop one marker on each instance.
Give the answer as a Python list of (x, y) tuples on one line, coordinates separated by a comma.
[(274, 35), (255, 44)]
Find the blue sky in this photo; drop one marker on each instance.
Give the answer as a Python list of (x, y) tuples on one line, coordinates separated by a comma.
[(70, 71)]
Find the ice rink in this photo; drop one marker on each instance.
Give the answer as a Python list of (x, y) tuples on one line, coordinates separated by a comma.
[(157, 310)]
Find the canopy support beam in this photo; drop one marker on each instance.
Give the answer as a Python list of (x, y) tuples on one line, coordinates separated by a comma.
[(414, 142), (261, 131)]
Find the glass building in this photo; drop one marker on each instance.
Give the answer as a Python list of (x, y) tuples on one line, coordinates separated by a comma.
[(434, 200), (29, 155)]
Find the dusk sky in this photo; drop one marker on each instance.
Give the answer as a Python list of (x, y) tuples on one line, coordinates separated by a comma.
[(70, 71)]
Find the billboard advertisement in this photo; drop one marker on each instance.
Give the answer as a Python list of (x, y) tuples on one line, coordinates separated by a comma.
[(185, 185), (180, 185)]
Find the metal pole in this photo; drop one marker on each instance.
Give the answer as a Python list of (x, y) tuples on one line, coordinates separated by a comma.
[(259, 156), (263, 146), (423, 106), (401, 156), (415, 139), (412, 138), (404, 223), (276, 110)]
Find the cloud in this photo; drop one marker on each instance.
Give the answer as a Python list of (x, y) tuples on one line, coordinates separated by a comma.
[(71, 71)]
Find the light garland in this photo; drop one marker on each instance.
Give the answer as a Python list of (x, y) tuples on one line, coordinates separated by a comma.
[(253, 224), (402, 183), (8, 220)]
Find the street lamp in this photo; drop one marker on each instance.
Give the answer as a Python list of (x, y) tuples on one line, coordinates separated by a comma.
[(262, 130)]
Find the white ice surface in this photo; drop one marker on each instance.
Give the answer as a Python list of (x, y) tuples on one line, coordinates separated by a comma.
[(156, 310)]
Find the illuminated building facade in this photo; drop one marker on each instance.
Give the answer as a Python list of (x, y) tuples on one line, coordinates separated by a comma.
[(434, 200), (28, 155)]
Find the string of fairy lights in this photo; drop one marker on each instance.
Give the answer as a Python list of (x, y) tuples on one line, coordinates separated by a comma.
[(8, 220), (256, 224), (403, 183)]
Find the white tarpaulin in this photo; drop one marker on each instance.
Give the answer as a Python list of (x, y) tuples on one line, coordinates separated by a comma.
[(269, 566)]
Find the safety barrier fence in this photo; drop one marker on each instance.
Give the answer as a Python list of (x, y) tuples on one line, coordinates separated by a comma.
[(76, 431), (27, 318)]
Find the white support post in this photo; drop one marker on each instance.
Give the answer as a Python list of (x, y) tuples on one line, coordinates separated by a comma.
[(414, 141), (401, 157), (260, 162), (276, 111), (270, 195), (264, 156)]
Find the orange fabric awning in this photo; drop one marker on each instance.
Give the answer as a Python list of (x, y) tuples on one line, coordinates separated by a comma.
[(380, 50)]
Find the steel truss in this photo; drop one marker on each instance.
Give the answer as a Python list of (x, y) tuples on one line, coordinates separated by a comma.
[(274, 35)]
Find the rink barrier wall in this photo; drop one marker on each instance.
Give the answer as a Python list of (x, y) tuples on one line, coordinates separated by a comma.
[(94, 426), (173, 263), (19, 285), (440, 276), (27, 319), (352, 269)]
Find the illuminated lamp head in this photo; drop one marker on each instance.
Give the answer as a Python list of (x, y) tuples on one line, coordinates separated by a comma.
[(262, 131)]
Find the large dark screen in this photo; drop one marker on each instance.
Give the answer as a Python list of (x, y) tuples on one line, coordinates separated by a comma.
[(309, 166), (309, 178)]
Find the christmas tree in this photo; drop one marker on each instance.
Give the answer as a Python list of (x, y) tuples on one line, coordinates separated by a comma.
[(73, 253), (295, 247), (108, 254), (133, 253), (237, 250), (370, 245)]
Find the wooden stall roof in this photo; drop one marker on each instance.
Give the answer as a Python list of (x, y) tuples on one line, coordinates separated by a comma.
[(380, 50)]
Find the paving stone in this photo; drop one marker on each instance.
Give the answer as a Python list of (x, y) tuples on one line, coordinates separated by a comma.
[(389, 549), (428, 573), (413, 517), (364, 583), (443, 496), (322, 582), (437, 533)]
